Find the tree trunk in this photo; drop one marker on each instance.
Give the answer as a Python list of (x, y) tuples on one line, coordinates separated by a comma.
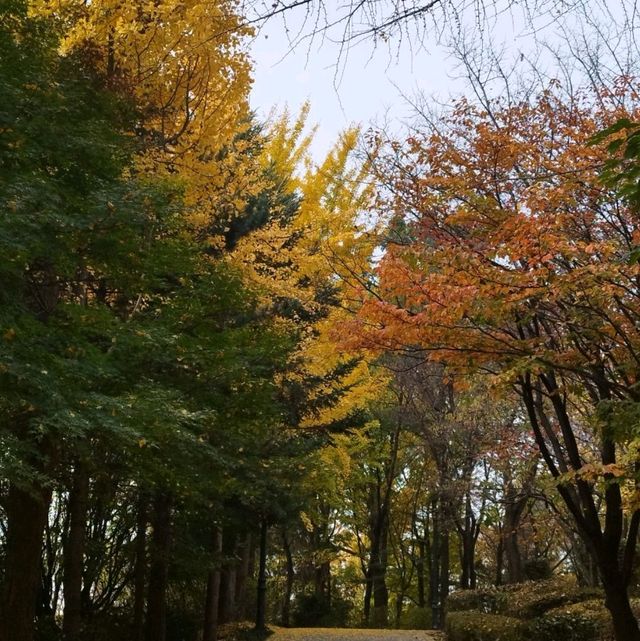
[(210, 631), (226, 607), (26, 514), (444, 575), (286, 604), (511, 546), (156, 627), (399, 602), (140, 568), (434, 570), (499, 559), (605, 539), (380, 594), (261, 605), (73, 554), (244, 568), (368, 591), (625, 624), (50, 588), (228, 600), (420, 563), (439, 566), (467, 532)]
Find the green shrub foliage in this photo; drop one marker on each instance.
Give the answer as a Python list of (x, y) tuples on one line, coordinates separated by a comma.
[(556, 609), (586, 621), (478, 626), (534, 598), (416, 618), (482, 600)]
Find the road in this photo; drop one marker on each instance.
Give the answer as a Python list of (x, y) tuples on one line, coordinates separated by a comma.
[(349, 634)]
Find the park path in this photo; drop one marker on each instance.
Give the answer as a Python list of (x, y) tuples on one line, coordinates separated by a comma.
[(349, 634)]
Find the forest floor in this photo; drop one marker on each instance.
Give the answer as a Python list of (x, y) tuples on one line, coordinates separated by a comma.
[(351, 634)]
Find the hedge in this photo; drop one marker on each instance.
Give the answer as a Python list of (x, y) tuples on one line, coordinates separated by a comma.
[(586, 621), (534, 598), (555, 609), (522, 600), (483, 600), (478, 626)]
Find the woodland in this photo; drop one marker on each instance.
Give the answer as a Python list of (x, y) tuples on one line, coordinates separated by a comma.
[(394, 387)]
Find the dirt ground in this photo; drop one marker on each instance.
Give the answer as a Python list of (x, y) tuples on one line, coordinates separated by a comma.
[(343, 634)]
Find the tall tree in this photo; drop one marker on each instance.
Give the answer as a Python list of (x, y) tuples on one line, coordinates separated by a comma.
[(518, 265)]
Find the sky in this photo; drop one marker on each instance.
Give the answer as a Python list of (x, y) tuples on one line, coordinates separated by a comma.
[(378, 84), (367, 84)]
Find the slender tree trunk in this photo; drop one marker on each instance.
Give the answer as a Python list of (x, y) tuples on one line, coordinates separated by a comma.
[(73, 554), (380, 596), (368, 591), (261, 606), (48, 599), (420, 563), (210, 631), (399, 602), (226, 608), (467, 534), (156, 625), (444, 575), (322, 581), (246, 552), (434, 568), (376, 575), (140, 568), (228, 604), (288, 591), (499, 559), (26, 514), (439, 567)]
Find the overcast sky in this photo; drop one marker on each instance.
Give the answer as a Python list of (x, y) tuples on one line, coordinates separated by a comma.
[(365, 84), (370, 83)]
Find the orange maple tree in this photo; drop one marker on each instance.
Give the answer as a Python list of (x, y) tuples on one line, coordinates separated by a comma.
[(506, 253)]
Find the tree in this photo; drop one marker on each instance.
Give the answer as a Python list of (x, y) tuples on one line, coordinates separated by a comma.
[(518, 265), (122, 340), (72, 221)]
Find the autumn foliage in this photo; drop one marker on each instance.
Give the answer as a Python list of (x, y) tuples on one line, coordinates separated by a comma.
[(507, 253), (238, 381)]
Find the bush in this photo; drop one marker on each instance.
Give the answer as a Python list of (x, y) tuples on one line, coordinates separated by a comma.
[(311, 611), (181, 625), (478, 626), (586, 621), (556, 609), (111, 625), (534, 598), (486, 600), (537, 569), (415, 618)]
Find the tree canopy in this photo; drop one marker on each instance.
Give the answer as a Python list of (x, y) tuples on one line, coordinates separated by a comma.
[(240, 383)]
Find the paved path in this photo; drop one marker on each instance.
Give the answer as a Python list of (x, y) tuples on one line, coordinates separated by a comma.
[(349, 634)]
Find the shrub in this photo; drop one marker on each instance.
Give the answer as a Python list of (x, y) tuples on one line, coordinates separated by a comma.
[(182, 625), (586, 621), (534, 598), (415, 618), (484, 600), (312, 611), (478, 626), (537, 569)]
